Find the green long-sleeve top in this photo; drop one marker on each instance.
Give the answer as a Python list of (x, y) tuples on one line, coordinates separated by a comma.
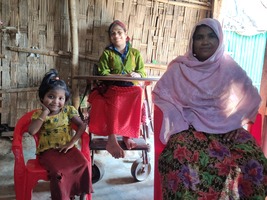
[(111, 63)]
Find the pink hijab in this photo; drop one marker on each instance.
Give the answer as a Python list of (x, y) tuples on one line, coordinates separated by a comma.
[(215, 96)]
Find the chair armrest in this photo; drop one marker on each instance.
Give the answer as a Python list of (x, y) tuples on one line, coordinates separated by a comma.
[(256, 129)]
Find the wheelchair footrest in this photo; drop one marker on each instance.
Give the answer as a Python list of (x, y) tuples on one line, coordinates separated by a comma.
[(99, 143)]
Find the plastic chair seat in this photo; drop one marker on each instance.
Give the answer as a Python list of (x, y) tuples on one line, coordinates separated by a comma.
[(36, 169)]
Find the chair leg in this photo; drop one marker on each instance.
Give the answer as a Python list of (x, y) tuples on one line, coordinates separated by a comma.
[(20, 187), (28, 194), (89, 196), (31, 183)]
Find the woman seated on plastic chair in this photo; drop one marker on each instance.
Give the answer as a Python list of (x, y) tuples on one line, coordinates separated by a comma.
[(117, 110), (206, 98)]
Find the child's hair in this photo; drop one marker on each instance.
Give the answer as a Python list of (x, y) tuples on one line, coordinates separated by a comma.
[(51, 81)]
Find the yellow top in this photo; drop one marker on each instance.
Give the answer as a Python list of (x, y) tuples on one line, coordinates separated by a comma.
[(56, 129)]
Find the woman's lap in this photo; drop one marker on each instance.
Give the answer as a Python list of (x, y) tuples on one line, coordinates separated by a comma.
[(118, 111), (204, 166)]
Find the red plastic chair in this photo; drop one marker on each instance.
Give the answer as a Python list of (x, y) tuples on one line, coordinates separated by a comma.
[(26, 176), (254, 129), (158, 146)]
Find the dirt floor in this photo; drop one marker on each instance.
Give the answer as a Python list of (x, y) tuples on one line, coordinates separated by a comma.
[(117, 182)]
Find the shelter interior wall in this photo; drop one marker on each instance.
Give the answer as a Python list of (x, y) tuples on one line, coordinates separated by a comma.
[(35, 37)]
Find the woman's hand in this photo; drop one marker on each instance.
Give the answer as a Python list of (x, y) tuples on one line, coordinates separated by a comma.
[(233, 135)]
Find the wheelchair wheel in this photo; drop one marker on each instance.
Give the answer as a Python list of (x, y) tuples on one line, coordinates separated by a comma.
[(139, 170), (97, 171)]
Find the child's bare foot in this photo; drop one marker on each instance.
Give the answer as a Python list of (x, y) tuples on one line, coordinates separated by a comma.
[(130, 144), (114, 148)]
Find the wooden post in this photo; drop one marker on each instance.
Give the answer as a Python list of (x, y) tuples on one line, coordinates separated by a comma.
[(263, 107), (216, 8), (75, 53)]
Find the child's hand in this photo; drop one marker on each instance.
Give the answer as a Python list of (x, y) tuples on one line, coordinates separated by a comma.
[(66, 147), (44, 108)]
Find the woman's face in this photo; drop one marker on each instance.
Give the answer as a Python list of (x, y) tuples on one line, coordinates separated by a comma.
[(205, 43), (118, 36)]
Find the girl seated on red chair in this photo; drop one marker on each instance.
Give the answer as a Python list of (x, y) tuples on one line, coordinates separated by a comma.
[(68, 169)]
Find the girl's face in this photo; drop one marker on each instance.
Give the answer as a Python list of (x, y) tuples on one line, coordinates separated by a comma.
[(54, 100), (118, 36), (205, 43)]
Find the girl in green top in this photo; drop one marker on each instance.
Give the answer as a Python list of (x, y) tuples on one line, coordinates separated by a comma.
[(118, 110)]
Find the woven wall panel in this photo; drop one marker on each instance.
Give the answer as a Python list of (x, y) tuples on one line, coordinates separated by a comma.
[(158, 28)]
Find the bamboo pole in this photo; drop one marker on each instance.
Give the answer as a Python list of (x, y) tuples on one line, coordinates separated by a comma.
[(216, 8), (50, 53), (205, 6), (263, 107), (3, 56), (75, 53), (36, 51), (18, 90)]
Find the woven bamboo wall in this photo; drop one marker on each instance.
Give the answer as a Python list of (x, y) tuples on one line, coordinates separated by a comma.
[(36, 37)]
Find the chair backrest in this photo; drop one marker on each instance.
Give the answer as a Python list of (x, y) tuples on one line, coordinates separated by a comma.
[(158, 146), (19, 165), (21, 128), (256, 129)]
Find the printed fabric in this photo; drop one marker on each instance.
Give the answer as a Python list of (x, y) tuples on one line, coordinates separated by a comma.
[(203, 166), (56, 129)]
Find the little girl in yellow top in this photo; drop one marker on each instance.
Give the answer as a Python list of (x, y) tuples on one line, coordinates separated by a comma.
[(67, 168)]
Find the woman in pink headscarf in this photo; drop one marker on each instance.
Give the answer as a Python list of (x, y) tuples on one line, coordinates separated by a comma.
[(206, 98)]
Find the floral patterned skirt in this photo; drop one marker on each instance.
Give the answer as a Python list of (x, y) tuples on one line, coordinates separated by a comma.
[(201, 166)]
